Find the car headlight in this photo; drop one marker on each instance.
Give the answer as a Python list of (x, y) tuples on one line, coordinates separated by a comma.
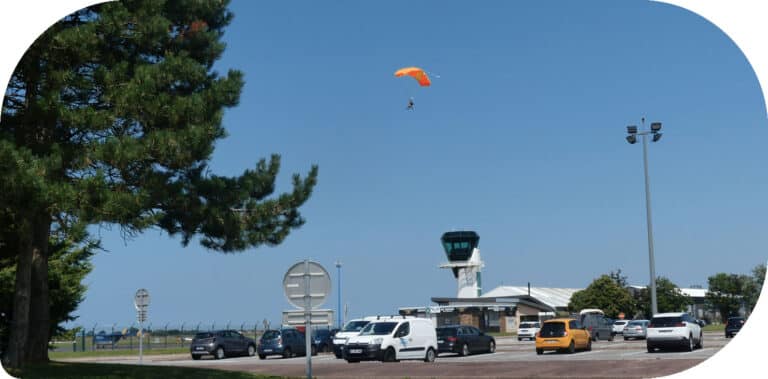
[(377, 341)]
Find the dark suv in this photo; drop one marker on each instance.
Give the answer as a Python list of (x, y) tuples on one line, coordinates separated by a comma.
[(733, 326), (599, 326), (288, 342), (221, 343)]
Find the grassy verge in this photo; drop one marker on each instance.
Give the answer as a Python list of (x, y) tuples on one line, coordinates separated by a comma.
[(715, 328), (104, 371), (114, 353)]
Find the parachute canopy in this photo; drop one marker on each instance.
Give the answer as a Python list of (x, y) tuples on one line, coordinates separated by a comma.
[(416, 73)]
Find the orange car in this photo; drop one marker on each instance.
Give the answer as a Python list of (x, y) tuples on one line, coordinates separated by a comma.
[(562, 334)]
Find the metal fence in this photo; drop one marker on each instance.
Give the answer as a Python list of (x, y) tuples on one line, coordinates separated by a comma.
[(155, 336)]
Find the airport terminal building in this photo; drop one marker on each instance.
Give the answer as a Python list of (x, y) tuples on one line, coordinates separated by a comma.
[(503, 308)]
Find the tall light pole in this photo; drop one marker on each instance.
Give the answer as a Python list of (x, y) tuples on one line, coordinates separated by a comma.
[(338, 300), (632, 139)]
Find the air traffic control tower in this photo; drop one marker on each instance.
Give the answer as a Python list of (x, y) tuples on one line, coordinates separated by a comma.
[(464, 260)]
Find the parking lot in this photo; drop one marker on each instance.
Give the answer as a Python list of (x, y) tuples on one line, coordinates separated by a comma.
[(617, 358)]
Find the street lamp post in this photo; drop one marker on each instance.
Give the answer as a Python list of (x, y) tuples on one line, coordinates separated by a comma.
[(338, 300), (632, 139)]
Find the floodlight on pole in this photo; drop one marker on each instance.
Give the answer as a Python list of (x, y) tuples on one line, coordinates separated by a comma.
[(631, 138)]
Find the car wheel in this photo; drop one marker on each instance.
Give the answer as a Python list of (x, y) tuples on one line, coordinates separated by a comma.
[(519, 339), (589, 345), (219, 353), (700, 344), (626, 338), (430, 357), (596, 337), (610, 337), (464, 350), (338, 355), (287, 353), (313, 350), (689, 347), (196, 357), (262, 356), (251, 350), (389, 355), (492, 347), (539, 351), (571, 347), (650, 348)]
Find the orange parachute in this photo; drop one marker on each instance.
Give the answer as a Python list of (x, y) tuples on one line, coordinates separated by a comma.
[(415, 72)]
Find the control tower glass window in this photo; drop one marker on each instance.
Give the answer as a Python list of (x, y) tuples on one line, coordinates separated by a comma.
[(458, 246)]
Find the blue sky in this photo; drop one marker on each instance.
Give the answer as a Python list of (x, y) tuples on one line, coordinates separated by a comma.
[(521, 139)]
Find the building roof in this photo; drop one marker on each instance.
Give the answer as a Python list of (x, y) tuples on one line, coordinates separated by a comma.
[(553, 297)]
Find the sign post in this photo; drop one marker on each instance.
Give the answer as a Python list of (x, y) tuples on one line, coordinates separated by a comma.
[(306, 286), (141, 302)]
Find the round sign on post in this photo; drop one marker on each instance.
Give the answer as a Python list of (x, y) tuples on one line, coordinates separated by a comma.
[(295, 285), (306, 286)]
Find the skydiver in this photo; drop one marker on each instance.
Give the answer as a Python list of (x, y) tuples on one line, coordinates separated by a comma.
[(410, 105)]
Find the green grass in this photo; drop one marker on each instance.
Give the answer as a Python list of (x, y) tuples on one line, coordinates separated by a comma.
[(715, 328), (115, 353), (104, 371)]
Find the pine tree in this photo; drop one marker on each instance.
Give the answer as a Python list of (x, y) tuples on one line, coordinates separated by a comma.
[(111, 116)]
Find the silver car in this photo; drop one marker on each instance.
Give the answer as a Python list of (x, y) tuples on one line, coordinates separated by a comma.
[(636, 329)]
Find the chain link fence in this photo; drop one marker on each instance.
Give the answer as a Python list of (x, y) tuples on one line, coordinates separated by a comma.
[(117, 336)]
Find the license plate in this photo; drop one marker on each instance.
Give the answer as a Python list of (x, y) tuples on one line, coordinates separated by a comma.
[(355, 351), (665, 331), (440, 341), (551, 341), (199, 348), (267, 350)]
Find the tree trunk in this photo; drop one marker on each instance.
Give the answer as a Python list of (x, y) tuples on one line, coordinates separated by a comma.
[(17, 341), (30, 327), (39, 308)]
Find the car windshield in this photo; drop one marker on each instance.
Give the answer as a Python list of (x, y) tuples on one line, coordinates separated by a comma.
[(553, 329), (635, 323), (378, 329), (619, 323), (354, 326), (529, 325), (446, 332), (270, 335), (735, 321), (203, 335), (662, 322)]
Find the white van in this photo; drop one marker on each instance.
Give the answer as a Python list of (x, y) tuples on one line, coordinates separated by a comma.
[(393, 339), (350, 329)]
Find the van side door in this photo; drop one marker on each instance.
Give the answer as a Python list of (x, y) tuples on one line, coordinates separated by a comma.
[(406, 344)]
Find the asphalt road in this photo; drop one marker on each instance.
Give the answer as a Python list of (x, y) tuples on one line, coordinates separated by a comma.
[(513, 359)]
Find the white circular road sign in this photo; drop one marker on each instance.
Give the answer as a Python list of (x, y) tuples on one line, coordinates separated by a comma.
[(306, 279)]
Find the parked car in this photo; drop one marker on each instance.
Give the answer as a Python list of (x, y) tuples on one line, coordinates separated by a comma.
[(733, 326), (221, 343), (562, 334), (287, 342), (677, 329), (636, 329), (528, 330), (464, 340), (618, 326), (392, 340), (351, 328), (599, 326), (323, 339)]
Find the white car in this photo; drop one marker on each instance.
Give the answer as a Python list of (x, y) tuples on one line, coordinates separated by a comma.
[(677, 329), (619, 325), (392, 340), (528, 330)]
